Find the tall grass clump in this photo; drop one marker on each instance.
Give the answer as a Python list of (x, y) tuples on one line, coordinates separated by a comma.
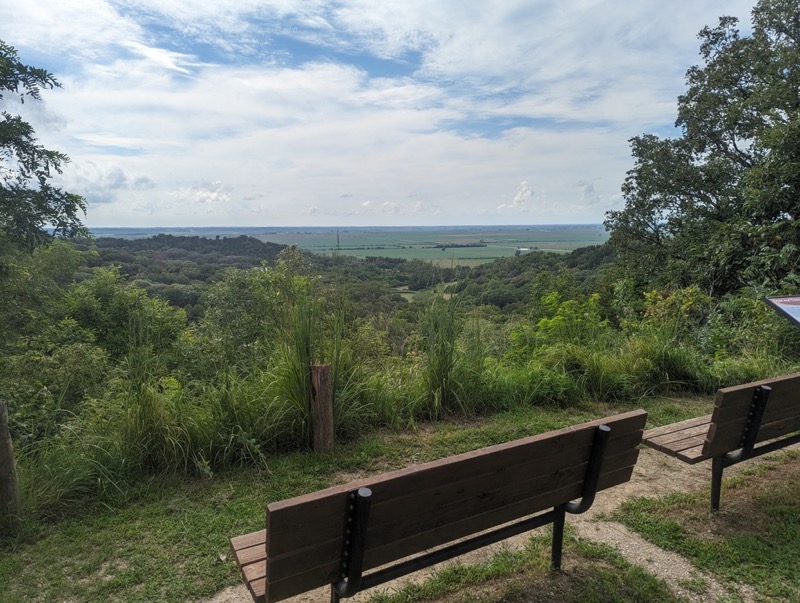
[(607, 377), (659, 361), (531, 384), (394, 394), (474, 352), (76, 465), (163, 429), (251, 420), (352, 347), (295, 355), (443, 392)]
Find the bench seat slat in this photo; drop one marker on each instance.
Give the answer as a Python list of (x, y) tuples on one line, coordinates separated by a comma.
[(258, 589), (676, 440), (251, 554), (683, 440), (692, 455), (248, 540), (690, 449), (657, 432)]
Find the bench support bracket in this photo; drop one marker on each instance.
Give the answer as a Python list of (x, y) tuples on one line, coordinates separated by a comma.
[(355, 533), (590, 480)]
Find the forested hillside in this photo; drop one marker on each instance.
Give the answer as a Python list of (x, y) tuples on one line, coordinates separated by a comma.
[(108, 382)]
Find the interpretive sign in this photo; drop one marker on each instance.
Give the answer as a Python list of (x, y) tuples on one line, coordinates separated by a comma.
[(787, 305)]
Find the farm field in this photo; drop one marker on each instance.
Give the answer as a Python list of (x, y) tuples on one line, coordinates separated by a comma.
[(443, 245)]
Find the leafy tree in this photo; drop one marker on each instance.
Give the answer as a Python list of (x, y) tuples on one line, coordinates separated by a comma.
[(29, 204), (719, 205)]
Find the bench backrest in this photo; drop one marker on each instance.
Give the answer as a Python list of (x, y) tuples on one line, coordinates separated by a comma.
[(729, 418), (427, 505)]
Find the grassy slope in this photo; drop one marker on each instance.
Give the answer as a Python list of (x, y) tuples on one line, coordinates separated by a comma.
[(168, 540)]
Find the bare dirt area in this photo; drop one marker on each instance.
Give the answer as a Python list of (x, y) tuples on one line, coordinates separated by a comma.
[(655, 474)]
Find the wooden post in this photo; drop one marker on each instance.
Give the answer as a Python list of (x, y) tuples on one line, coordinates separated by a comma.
[(322, 407), (9, 495)]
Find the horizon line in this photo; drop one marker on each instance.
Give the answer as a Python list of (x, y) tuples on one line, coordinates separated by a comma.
[(476, 225)]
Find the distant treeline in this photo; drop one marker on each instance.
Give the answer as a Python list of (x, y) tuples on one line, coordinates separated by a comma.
[(179, 269)]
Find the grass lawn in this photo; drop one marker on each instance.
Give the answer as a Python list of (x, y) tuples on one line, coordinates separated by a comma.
[(755, 537), (168, 539), (595, 574)]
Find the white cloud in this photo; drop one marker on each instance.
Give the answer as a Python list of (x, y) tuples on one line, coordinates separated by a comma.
[(524, 192), (210, 192), (487, 96)]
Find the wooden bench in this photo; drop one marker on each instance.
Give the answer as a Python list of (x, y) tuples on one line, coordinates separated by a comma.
[(763, 412), (333, 536)]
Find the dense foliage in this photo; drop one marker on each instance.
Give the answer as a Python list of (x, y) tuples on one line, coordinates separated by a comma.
[(107, 382), (719, 206)]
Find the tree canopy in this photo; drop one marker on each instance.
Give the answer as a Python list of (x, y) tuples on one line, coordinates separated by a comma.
[(719, 205), (31, 209)]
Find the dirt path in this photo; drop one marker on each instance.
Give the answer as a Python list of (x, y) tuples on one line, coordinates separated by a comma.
[(655, 474)]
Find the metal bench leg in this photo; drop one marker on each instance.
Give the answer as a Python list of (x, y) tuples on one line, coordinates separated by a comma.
[(717, 466), (590, 480), (558, 539)]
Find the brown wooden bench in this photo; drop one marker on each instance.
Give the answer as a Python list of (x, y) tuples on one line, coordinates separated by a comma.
[(333, 536), (764, 412)]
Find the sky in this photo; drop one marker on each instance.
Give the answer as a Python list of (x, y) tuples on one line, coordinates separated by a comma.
[(354, 112)]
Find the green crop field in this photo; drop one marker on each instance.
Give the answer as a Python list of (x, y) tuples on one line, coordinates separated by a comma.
[(466, 246)]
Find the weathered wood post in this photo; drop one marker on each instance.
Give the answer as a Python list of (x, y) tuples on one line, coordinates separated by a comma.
[(322, 407), (9, 494)]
